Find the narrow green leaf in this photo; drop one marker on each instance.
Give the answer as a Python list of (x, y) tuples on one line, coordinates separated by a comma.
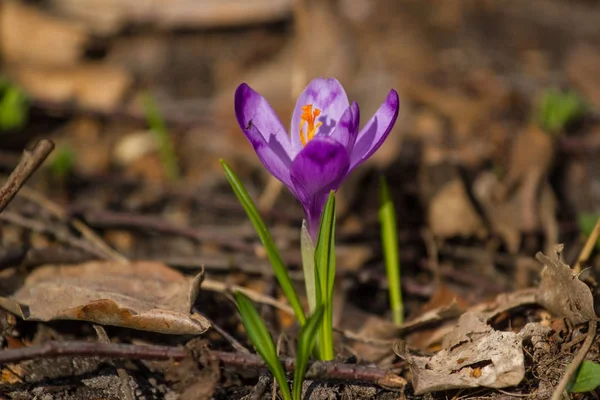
[(587, 379), (389, 241), (306, 343), (325, 273), (261, 339), (307, 250), (168, 157), (279, 268), (63, 162)]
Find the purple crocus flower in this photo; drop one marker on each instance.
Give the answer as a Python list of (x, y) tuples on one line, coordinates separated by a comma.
[(325, 144)]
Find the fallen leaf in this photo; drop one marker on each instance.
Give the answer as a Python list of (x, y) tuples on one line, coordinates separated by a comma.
[(483, 357), (581, 67), (451, 213), (523, 201), (107, 17), (140, 295), (379, 332), (29, 36), (470, 325), (442, 321), (561, 292), (90, 85)]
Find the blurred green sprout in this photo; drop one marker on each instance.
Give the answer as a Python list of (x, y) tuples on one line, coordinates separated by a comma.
[(63, 162), (156, 123), (558, 108), (14, 106)]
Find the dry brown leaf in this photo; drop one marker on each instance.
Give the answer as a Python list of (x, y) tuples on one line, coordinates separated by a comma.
[(95, 86), (475, 355), (561, 291), (379, 331), (109, 16), (451, 212), (582, 65), (524, 200), (140, 295), (30, 36)]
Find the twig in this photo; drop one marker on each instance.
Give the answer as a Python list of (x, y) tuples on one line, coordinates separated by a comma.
[(30, 161), (91, 349), (577, 360), (588, 247), (107, 252), (237, 346), (216, 286), (317, 370), (107, 218), (38, 225), (123, 375), (260, 388)]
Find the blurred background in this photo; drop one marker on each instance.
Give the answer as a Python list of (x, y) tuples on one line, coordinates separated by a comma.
[(494, 155)]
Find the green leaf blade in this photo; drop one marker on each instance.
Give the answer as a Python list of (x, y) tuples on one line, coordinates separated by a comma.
[(306, 342), (389, 241), (279, 268), (261, 339), (168, 157), (325, 275)]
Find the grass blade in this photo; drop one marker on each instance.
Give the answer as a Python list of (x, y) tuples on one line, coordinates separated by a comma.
[(279, 268), (325, 273), (261, 339), (306, 343), (389, 241)]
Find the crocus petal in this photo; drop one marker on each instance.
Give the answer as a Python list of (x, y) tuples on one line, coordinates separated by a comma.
[(253, 109), (376, 130), (346, 130), (329, 97), (320, 167), (264, 131)]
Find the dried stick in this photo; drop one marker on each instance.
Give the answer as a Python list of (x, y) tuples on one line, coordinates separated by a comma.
[(317, 370), (121, 372), (87, 233), (588, 247), (30, 161), (577, 360)]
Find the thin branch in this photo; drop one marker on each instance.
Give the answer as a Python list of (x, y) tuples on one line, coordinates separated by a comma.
[(588, 247), (577, 360), (317, 370), (106, 251), (30, 161)]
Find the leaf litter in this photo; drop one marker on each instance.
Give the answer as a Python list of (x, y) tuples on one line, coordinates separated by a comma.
[(140, 295), (470, 127)]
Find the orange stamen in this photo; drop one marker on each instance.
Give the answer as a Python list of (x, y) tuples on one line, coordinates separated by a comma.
[(309, 117)]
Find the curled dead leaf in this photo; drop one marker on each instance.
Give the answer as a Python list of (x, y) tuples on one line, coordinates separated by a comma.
[(90, 85), (140, 295), (561, 291), (474, 355), (451, 213), (30, 36)]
